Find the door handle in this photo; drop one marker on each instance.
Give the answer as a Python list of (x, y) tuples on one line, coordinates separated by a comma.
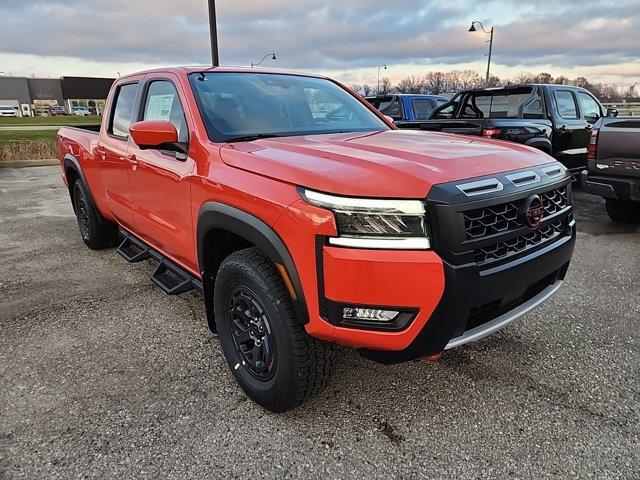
[(133, 161)]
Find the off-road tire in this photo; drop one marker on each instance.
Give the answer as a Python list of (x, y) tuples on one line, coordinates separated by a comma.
[(623, 212), (97, 232), (302, 364)]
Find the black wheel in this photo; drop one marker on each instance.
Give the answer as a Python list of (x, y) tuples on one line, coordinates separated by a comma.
[(623, 212), (275, 361), (97, 232)]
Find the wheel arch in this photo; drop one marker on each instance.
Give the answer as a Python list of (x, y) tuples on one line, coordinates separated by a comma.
[(543, 144), (219, 224), (73, 172)]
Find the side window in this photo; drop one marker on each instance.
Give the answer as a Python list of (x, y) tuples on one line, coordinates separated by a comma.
[(392, 109), (533, 109), (422, 108), (589, 108), (566, 104), (163, 103), (123, 110)]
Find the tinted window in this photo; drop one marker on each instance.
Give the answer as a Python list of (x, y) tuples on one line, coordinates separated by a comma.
[(241, 104), (123, 110), (422, 108), (566, 104), (588, 106), (533, 109), (499, 104), (163, 103)]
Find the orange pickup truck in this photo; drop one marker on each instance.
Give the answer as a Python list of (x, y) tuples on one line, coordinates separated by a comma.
[(307, 219)]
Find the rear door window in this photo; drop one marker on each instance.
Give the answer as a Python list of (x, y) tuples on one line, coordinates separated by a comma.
[(123, 110), (566, 104), (422, 107)]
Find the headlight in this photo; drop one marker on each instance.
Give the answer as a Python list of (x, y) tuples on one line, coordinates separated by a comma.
[(374, 223)]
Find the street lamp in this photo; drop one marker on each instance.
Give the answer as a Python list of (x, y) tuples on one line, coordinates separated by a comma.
[(473, 29), (272, 55), (384, 67)]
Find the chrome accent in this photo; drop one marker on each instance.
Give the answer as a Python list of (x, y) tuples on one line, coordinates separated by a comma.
[(502, 321), (408, 243), (373, 205), (481, 186), (523, 178)]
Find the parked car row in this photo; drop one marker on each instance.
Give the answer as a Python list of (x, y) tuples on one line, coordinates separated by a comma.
[(557, 119)]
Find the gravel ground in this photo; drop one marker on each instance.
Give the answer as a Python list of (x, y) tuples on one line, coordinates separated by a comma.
[(105, 376)]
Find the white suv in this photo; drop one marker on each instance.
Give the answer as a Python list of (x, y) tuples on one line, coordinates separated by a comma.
[(8, 111)]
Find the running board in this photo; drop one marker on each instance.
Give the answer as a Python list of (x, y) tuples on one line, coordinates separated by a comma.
[(132, 250), (171, 278)]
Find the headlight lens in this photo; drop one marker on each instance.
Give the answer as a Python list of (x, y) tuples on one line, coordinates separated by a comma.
[(374, 223)]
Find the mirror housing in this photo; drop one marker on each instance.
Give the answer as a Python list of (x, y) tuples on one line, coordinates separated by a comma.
[(160, 134), (612, 112)]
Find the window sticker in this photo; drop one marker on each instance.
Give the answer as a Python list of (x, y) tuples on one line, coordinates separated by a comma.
[(159, 107)]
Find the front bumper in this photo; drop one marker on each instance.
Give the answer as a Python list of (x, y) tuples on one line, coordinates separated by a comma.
[(468, 286), (478, 302), (625, 189)]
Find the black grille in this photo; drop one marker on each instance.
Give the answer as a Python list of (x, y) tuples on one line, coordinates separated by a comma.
[(519, 244), (504, 217)]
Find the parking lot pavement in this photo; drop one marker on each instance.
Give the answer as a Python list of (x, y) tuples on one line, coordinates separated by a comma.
[(105, 376)]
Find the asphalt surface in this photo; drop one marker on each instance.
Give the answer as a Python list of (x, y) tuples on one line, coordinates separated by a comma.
[(104, 376)]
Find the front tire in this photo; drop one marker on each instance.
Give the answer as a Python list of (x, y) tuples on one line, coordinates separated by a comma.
[(97, 232), (275, 361), (623, 212)]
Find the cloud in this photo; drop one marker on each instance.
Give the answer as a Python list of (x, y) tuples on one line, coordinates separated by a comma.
[(340, 35)]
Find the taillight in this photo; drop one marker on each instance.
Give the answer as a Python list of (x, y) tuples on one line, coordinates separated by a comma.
[(593, 145), (491, 132)]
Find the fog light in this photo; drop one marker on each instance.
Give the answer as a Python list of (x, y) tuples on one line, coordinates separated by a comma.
[(352, 313)]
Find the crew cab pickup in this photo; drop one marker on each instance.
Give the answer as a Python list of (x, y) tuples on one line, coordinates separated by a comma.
[(613, 171), (405, 108), (556, 119), (306, 218)]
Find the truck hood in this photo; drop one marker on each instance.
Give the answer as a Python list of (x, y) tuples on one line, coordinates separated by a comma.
[(394, 163)]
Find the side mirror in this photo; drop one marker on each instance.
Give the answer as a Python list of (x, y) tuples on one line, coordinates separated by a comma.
[(591, 118), (160, 134), (612, 112)]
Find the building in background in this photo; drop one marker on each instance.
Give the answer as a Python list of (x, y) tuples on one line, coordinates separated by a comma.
[(36, 96)]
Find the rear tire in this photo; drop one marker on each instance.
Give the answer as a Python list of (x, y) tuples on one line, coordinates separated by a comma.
[(623, 212), (275, 361), (97, 232)]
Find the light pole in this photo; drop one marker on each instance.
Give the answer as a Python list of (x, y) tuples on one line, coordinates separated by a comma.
[(272, 55), (384, 67), (490, 32), (213, 28)]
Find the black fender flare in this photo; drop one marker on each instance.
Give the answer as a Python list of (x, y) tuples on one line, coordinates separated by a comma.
[(541, 144), (220, 216), (71, 162)]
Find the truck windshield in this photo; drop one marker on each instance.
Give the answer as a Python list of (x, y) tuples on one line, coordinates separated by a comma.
[(239, 106)]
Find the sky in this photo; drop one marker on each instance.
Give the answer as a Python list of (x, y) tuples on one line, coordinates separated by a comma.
[(345, 39)]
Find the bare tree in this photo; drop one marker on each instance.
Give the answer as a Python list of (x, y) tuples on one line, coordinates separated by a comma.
[(366, 90), (434, 82), (385, 86), (410, 84)]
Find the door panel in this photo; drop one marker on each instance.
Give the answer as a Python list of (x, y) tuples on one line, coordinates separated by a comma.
[(160, 180), (571, 133), (112, 154)]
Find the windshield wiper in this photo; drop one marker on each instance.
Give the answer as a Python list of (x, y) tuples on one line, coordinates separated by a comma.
[(255, 136)]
